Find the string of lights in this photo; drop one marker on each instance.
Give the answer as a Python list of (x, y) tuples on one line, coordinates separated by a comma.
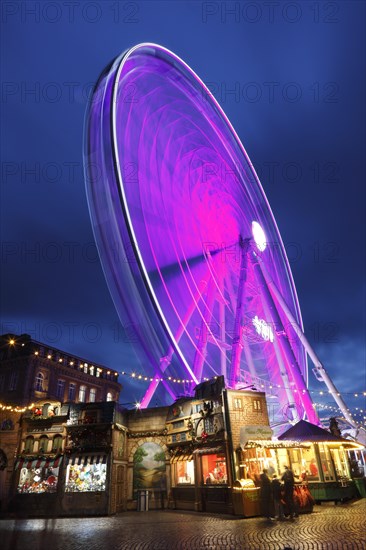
[(143, 377), (16, 408), (97, 371)]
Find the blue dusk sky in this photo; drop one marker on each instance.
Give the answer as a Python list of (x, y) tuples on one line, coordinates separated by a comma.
[(291, 78)]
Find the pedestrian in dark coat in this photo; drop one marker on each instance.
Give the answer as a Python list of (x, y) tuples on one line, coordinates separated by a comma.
[(266, 494), (277, 497), (289, 484)]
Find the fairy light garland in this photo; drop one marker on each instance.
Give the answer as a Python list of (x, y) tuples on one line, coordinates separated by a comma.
[(15, 408), (262, 384)]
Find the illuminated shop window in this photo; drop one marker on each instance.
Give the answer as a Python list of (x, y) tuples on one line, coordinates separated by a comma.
[(340, 463), (92, 395), (326, 463), (310, 469), (109, 396), (256, 459), (39, 381), (83, 478), (38, 480), (214, 469), (184, 472), (82, 393)]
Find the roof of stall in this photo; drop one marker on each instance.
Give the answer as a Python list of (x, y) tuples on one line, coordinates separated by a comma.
[(304, 431)]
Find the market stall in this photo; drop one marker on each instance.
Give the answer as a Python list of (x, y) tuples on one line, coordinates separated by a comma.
[(325, 466)]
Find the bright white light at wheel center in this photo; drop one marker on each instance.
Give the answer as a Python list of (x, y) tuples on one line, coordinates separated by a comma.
[(259, 236)]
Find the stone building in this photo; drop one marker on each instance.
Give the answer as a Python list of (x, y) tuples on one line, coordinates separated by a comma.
[(32, 372)]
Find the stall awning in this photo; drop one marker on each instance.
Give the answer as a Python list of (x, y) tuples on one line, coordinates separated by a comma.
[(305, 431), (36, 463), (265, 444), (87, 459), (210, 450)]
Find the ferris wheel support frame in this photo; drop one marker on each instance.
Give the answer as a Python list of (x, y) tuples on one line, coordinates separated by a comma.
[(295, 372), (319, 370)]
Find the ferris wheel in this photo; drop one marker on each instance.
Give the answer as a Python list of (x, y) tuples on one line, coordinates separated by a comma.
[(190, 249)]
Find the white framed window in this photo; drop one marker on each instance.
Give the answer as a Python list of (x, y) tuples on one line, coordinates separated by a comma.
[(82, 394), (238, 404), (109, 396), (257, 405), (92, 395), (72, 391), (60, 390), (39, 381), (13, 380)]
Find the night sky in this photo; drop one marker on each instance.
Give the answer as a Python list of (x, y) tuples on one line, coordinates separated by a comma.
[(291, 78)]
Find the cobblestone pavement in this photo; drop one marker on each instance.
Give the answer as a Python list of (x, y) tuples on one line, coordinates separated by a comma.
[(329, 527)]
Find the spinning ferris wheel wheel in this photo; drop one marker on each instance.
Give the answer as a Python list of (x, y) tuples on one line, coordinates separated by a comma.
[(189, 246)]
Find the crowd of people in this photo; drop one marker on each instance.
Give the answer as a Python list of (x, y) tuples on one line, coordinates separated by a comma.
[(277, 495)]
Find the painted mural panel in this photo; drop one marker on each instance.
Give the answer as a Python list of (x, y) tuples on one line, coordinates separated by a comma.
[(149, 467)]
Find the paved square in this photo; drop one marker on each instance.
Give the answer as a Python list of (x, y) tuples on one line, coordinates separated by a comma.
[(329, 527)]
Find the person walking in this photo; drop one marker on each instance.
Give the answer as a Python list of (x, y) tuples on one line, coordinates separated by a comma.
[(277, 496), (289, 484), (266, 494)]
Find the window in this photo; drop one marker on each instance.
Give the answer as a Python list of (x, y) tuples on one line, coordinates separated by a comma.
[(326, 463), (82, 393), (60, 390), (92, 395), (29, 444), (184, 472), (238, 404), (309, 464), (178, 425), (38, 480), (209, 425), (92, 370), (43, 444), (109, 396), (86, 369), (340, 462), (82, 478), (57, 444), (257, 405), (13, 380), (72, 391), (214, 469), (39, 381)]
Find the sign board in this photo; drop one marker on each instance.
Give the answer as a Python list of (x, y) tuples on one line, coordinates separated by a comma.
[(254, 433)]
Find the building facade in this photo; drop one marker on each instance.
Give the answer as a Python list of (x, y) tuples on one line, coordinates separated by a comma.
[(35, 373), (31, 371)]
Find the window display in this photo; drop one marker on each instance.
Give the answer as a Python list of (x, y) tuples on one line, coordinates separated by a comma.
[(185, 472), (214, 469), (38, 480), (83, 478)]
